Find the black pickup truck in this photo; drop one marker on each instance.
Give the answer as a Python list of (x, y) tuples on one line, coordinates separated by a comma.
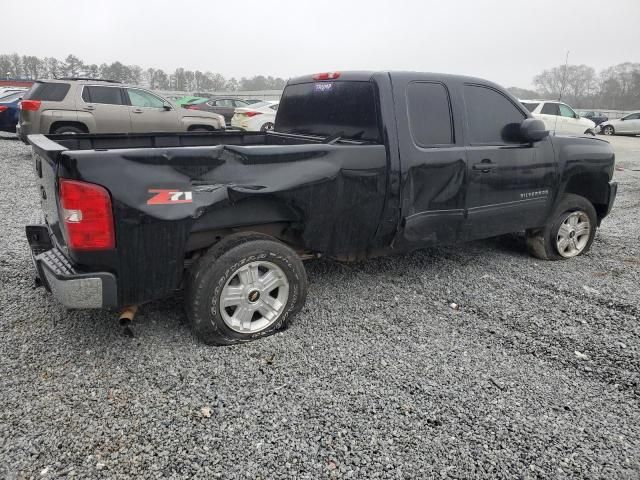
[(360, 164)]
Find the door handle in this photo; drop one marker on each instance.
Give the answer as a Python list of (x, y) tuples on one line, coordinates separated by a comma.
[(485, 166), (137, 110), (89, 107)]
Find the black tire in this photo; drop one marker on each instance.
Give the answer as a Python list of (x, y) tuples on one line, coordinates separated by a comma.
[(608, 130), (200, 129), (207, 278), (542, 242), (267, 127), (590, 132), (68, 130)]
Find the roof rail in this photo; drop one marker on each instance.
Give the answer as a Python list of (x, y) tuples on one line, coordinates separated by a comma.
[(89, 79)]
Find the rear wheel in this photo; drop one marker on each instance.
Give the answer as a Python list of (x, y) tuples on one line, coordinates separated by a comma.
[(200, 129), (267, 127), (608, 130), (68, 130), (247, 287), (570, 232)]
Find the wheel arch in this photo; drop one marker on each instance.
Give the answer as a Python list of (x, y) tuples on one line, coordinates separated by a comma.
[(68, 123), (267, 217), (592, 186)]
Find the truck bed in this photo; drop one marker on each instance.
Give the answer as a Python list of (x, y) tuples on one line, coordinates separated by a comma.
[(174, 194)]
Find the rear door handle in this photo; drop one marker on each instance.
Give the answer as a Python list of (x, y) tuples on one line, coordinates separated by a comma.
[(89, 107), (137, 110), (485, 165)]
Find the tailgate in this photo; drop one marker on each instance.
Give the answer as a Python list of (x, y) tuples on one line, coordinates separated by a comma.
[(45, 158)]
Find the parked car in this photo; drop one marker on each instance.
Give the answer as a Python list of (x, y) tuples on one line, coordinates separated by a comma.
[(189, 100), (224, 106), (559, 117), (360, 164), (596, 117), (9, 111), (4, 92), (258, 117), (100, 106), (251, 101), (627, 125)]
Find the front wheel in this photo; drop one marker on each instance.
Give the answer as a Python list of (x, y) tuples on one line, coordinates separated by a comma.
[(608, 130), (246, 287), (569, 233)]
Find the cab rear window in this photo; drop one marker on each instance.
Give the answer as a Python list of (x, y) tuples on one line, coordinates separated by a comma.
[(344, 108), (48, 92)]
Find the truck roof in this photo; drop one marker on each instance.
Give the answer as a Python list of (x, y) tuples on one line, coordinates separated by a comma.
[(367, 75)]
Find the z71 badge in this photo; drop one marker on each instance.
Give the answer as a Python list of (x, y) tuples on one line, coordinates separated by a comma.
[(169, 197)]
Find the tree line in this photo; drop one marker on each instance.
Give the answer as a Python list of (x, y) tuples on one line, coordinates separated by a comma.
[(31, 67), (616, 87)]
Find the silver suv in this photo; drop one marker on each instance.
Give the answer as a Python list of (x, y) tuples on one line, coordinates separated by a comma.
[(84, 105)]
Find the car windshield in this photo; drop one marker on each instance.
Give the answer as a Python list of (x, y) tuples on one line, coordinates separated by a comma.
[(8, 93), (11, 97), (531, 106)]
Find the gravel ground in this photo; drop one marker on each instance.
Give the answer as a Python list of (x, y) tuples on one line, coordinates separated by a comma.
[(535, 375)]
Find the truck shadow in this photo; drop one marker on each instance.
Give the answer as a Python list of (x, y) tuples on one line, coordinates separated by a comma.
[(165, 320)]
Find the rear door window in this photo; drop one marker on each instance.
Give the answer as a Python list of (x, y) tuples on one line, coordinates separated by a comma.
[(429, 111), (344, 108), (493, 118), (550, 109), (48, 92), (531, 106), (104, 95)]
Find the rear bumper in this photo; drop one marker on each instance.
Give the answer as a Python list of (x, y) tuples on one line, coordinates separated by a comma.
[(72, 288)]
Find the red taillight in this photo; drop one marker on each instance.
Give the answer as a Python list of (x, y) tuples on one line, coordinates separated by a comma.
[(86, 214), (191, 107), (30, 105), (3, 108), (326, 76), (252, 114)]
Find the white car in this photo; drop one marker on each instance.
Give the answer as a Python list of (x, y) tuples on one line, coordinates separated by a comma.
[(627, 125), (258, 117), (6, 91), (559, 117)]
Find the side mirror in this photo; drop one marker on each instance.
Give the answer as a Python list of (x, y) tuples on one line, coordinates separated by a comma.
[(576, 116), (166, 106), (533, 130)]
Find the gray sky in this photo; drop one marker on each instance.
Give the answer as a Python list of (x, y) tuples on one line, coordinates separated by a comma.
[(507, 41)]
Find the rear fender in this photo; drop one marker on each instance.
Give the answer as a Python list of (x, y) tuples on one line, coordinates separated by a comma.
[(49, 117)]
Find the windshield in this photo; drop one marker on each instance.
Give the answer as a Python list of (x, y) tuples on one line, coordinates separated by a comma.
[(10, 97), (347, 109)]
